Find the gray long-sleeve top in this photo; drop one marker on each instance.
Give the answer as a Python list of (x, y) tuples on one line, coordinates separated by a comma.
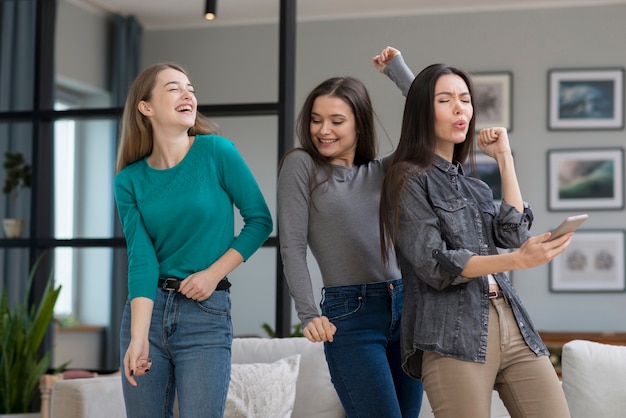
[(338, 220)]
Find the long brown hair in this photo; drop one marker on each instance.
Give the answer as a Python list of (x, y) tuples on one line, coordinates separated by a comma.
[(136, 137), (354, 93), (416, 148)]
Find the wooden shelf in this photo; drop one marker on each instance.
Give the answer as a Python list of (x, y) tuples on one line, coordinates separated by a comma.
[(560, 338)]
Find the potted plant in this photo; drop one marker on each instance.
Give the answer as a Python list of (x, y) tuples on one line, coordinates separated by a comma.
[(296, 332), (17, 177), (22, 328)]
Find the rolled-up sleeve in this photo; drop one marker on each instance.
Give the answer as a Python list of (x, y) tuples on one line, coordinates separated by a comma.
[(512, 228)]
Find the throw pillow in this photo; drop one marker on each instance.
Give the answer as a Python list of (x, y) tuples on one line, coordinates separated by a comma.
[(263, 390), (594, 378)]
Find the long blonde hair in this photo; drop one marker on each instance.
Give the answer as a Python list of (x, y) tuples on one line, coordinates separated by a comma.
[(136, 137)]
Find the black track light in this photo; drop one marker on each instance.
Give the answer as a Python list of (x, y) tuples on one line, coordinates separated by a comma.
[(210, 9)]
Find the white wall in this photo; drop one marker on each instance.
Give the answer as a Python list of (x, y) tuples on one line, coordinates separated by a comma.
[(236, 64), (82, 51), (240, 64)]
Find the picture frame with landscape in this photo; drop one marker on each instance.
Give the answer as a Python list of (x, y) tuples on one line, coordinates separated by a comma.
[(586, 99), (586, 179), (488, 171), (492, 98)]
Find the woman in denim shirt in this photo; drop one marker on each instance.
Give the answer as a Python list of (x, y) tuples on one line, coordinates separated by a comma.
[(464, 328)]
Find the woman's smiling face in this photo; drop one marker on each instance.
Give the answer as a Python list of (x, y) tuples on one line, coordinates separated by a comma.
[(333, 129)]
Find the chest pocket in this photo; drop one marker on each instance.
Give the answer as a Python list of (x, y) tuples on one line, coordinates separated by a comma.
[(452, 214), (488, 208)]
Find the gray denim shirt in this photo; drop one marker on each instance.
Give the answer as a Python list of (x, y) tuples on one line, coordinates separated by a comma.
[(445, 219)]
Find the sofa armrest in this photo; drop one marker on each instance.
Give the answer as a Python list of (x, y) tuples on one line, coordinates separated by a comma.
[(97, 397)]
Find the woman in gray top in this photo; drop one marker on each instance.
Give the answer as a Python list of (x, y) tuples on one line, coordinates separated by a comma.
[(328, 199)]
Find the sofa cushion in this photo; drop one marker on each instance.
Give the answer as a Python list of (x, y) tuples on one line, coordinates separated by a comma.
[(263, 389), (315, 394), (594, 379)]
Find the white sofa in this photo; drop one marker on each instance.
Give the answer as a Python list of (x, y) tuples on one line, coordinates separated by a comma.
[(253, 362), (594, 381)]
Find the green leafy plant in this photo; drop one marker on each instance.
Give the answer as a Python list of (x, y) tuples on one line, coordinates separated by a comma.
[(297, 330), (22, 329), (17, 174)]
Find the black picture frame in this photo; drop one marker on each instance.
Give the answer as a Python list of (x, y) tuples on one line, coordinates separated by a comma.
[(586, 99), (585, 179), (493, 99), (593, 263)]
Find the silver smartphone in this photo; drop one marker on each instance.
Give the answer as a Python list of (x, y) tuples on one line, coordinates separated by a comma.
[(570, 224)]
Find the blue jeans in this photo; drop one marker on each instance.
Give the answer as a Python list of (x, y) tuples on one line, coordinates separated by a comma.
[(190, 347), (364, 358)]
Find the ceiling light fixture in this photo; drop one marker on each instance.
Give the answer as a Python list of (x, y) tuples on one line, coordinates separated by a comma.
[(210, 11)]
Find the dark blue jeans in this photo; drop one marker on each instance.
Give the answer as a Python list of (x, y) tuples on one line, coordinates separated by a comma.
[(364, 358)]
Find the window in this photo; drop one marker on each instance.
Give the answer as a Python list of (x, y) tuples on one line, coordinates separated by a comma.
[(64, 171), (83, 161)]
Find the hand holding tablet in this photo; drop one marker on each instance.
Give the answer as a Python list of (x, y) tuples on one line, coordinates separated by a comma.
[(570, 224)]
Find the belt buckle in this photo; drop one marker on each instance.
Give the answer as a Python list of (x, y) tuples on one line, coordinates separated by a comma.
[(170, 284)]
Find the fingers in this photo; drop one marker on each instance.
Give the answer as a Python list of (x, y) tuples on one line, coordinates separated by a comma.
[(562, 242), (134, 369), (539, 249), (196, 288), (142, 367), (541, 238), (490, 135), (137, 361), (128, 371), (381, 60), (389, 52), (320, 330), (494, 141)]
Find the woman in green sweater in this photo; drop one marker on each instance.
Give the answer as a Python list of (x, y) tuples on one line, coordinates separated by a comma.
[(175, 188)]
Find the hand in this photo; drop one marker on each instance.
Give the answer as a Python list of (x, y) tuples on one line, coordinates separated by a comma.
[(136, 360), (199, 286), (538, 250), (319, 330), (381, 60), (494, 141)]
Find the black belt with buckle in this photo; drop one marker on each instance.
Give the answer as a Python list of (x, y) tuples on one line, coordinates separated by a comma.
[(496, 294), (172, 283)]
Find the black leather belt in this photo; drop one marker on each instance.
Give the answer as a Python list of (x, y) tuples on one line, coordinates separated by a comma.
[(172, 283), (496, 295)]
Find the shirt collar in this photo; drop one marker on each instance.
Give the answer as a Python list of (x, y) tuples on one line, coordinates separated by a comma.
[(447, 166)]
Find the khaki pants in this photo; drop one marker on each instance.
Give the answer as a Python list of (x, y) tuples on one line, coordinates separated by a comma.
[(527, 384)]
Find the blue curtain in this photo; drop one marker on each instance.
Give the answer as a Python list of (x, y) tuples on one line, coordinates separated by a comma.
[(125, 66), (17, 75)]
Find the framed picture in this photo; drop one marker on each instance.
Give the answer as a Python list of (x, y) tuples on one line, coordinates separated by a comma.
[(586, 179), (593, 262), (493, 99), (586, 99), (487, 170)]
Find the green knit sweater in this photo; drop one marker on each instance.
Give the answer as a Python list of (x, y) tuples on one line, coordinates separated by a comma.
[(180, 220)]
